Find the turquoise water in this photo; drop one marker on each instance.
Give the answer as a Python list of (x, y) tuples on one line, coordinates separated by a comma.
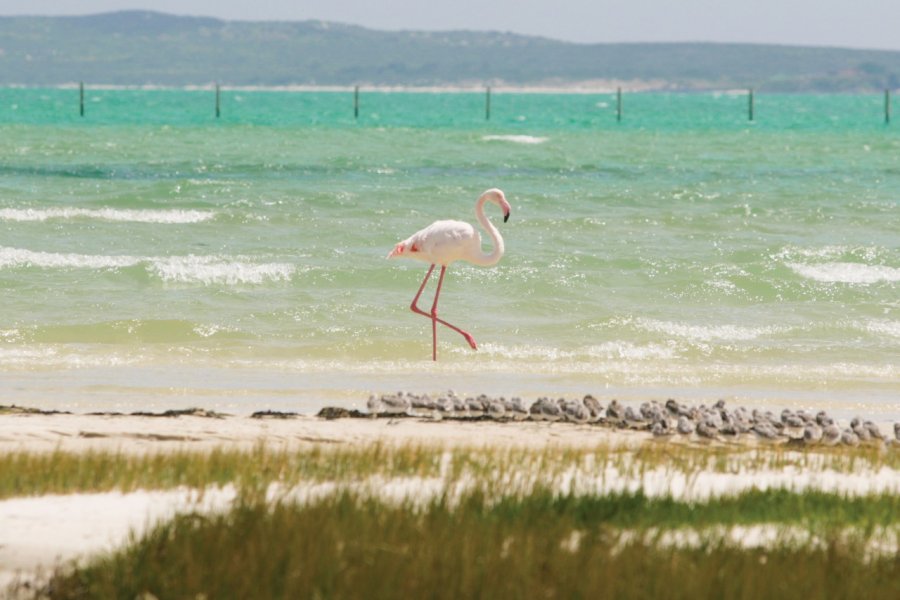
[(152, 255)]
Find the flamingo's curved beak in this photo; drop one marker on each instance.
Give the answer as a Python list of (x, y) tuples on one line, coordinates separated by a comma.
[(504, 206)]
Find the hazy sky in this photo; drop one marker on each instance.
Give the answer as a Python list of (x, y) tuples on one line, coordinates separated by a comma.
[(856, 23)]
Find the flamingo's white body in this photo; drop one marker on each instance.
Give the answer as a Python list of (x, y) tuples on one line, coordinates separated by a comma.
[(444, 242)]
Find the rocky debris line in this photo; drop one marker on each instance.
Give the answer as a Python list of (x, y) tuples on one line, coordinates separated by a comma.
[(334, 412), (671, 418), (183, 412), (12, 409), (276, 414)]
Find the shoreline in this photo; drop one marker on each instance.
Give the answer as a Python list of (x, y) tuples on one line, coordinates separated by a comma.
[(73, 432), (445, 421)]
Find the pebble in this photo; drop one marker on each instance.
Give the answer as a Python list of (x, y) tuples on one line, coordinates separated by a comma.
[(831, 434), (685, 425), (595, 408), (812, 433)]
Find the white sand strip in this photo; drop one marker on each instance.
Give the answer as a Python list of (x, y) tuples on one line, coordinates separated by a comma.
[(37, 533), (78, 432)]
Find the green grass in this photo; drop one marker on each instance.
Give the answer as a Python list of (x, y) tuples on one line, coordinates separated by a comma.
[(498, 469), (348, 547), (503, 527), (25, 474), (813, 509)]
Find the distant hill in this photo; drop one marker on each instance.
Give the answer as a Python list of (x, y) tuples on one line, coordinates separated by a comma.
[(137, 48)]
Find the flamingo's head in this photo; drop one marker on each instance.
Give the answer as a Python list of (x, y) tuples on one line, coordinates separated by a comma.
[(497, 196)]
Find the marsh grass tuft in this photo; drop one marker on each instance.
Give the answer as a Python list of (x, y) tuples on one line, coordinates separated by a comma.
[(24, 473), (346, 546), (501, 525), (501, 471)]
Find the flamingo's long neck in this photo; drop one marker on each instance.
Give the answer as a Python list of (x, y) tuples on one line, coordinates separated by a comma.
[(493, 257)]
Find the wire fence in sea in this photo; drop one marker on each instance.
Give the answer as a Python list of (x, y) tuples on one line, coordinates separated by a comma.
[(503, 107)]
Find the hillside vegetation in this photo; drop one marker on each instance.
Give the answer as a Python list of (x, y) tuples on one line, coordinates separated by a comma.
[(140, 48)]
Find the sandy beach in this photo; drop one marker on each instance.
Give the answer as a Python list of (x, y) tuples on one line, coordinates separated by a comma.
[(137, 434), (718, 268), (38, 533)]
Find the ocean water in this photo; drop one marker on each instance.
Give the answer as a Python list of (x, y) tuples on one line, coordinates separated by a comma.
[(153, 256)]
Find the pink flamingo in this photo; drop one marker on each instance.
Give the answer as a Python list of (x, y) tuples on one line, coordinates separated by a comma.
[(443, 242)]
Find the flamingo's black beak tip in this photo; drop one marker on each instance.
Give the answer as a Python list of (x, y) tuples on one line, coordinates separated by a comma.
[(506, 217)]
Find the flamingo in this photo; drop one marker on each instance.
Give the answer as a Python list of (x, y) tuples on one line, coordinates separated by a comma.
[(444, 242)]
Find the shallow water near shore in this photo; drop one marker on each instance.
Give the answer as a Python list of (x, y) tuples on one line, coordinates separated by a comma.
[(152, 256)]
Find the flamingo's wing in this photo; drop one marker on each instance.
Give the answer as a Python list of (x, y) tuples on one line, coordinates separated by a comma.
[(441, 243)]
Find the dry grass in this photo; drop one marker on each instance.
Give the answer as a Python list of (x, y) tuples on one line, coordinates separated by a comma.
[(508, 524), (540, 547), (499, 469)]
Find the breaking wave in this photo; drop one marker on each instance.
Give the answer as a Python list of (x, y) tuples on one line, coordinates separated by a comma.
[(174, 217), (208, 270)]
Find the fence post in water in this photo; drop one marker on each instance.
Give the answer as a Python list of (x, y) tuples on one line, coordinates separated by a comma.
[(750, 104), (487, 104), (356, 102), (618, 104), (887, 106), (218, 111), (81, 98)]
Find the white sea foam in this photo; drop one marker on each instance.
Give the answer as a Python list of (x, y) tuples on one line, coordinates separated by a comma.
[(629, 351), (706, 333), (516, 139), (12, 355), (173, 216), (214, 270), (613, 350), (210, 330), (846, 272), (829, 253), (176, 269), (525, 352), (55, 357), (18, 257), (884, 327)]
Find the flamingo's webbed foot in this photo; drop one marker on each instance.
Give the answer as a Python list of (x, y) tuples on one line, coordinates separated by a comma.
[(471, 340)]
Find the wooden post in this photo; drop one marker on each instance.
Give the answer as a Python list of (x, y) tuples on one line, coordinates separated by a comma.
[(750, 104), (81, 98), (218, 105), (887, 106), (356, 102), (618, 104), (487, 104)]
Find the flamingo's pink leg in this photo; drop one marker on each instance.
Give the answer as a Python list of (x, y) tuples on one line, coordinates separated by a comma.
[(433, 315), (413, 307), (437, 293)]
